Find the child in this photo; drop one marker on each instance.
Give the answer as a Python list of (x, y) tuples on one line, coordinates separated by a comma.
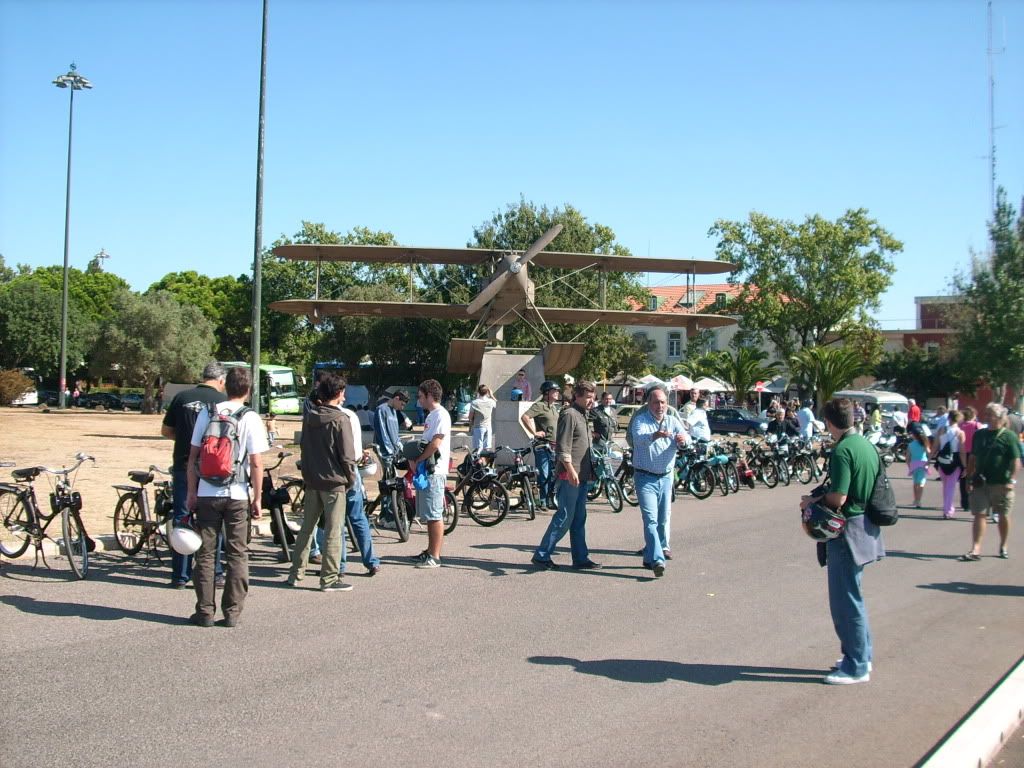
[(917, 461), (271, 424)]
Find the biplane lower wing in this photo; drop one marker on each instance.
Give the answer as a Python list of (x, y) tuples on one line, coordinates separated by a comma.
[(621, 317)]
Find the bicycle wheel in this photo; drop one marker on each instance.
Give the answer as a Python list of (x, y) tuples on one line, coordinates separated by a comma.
[(721, 482), (613, 493), (526, 488), (487, 503), (129, 531), (766, 472), (732, 477), (701, 481), (400, 508), (293, 513), (803, 469), (627, 484), (16, 523), (782, 469), (451, 512), (75, 546)]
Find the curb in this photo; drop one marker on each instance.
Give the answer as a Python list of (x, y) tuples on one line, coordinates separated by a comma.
[(983, 732)]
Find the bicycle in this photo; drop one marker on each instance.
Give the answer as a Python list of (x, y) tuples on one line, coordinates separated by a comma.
[(627, 481), (692, 472), (276, 500), (402, 496), (520, 477), (604, 479), (136, 523), (25, 523), (483, 498)]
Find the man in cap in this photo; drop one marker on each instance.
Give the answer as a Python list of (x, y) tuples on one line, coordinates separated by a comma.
[(540, 421)]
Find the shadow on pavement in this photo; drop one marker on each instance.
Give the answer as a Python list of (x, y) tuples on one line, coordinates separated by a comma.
[(918, 555), (93, 612), (970, 588), (656, 671), (937, 517)]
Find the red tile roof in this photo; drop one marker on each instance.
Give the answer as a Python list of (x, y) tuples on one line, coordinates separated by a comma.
[(670, 296)]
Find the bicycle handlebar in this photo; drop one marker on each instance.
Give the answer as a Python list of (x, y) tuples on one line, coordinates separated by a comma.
[(82, 458), (155, 468)]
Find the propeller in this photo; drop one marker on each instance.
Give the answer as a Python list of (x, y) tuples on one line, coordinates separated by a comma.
[(492, 289)]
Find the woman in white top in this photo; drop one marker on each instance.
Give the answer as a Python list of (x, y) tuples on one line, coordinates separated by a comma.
[(951, 468)]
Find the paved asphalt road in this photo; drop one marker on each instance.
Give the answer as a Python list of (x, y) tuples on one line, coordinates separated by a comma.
[(489, 662)]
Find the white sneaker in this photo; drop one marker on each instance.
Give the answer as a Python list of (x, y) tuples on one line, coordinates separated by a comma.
[(841, 678), (839, 661)]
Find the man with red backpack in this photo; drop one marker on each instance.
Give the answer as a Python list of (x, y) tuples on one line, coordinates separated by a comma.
[(225, 462)]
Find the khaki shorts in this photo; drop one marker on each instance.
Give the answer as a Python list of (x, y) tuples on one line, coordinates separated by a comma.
[(997, 497)]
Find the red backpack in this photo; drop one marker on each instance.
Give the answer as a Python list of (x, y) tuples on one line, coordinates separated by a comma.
[(220, 451)]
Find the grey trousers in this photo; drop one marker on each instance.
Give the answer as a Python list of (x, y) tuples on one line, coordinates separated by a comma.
[(332, 504), (212, 513)]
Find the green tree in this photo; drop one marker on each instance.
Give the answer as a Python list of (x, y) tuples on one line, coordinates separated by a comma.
[(743, 368), (91, 293), (917, 374), (149, 336), (826, 370), (807, 284), (6, 273), (225, 301), (990, 323), (30, 314)]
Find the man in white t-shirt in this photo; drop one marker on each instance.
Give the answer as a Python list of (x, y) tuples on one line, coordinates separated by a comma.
[(697, 421), (437, 434), (226, 506)]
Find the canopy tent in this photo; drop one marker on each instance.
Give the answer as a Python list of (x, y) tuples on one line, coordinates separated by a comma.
[(680, 382), (709, 384)]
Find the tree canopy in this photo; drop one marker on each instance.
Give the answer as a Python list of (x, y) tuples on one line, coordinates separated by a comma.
[(990, 320), (810, 283)]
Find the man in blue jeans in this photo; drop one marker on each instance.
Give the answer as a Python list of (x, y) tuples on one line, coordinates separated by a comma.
[(853, 467), (177, 425), (540, 421), (572, 452), (655, 435)]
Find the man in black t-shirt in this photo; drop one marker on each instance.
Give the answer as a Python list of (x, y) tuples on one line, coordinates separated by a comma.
[(178, 423)]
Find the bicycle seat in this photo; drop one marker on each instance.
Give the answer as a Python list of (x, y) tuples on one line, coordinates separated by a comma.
[(27, 473), (140, 476)]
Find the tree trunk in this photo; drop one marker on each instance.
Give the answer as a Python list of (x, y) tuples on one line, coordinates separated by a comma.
[(148, 406)]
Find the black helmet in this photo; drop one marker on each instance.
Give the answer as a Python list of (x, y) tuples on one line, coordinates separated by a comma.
[(547, 386), (821, 522)]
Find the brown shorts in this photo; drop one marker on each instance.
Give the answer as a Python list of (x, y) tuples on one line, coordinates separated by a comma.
[(997, 498)]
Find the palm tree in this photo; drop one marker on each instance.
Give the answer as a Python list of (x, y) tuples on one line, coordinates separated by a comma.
[(706, 364), (744, 369), (827, 369)]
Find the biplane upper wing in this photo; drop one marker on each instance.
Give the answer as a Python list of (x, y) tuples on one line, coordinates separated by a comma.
[(331, 308), (396, 254)]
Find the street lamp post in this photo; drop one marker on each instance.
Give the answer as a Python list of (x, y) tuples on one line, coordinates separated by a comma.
[(73, 82)]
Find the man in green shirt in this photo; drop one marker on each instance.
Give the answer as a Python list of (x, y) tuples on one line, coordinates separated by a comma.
[(994, 460), (541, 421), (853, 467)]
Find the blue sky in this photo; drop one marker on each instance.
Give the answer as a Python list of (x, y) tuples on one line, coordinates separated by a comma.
[(425, 118)]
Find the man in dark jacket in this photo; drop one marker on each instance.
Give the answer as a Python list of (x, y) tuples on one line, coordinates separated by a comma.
[(328, 470), (572, 447)]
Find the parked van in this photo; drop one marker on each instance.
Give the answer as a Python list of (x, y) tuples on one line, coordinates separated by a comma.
[(887, 401)]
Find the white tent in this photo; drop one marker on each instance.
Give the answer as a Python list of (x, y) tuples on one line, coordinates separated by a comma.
[(680, 382), (711, 385)]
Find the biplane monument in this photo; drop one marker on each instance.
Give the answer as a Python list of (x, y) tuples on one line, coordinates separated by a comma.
[(506, 297)]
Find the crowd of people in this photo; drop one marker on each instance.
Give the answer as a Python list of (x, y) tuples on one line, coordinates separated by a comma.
[(978, 458)]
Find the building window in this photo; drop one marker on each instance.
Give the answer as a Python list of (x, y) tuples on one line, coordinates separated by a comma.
[(675, 344), (720, 299), (931, 348), (640, 339), (652, 303)]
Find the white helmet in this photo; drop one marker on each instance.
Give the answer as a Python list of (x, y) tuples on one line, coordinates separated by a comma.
[(369, 469), (184, 540)]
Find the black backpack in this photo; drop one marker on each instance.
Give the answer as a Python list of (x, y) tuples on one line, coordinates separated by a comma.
[(881, 506)]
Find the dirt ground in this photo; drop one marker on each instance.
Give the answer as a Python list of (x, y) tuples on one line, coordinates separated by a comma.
[(120, 442)]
